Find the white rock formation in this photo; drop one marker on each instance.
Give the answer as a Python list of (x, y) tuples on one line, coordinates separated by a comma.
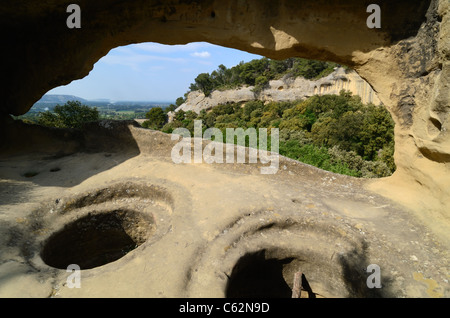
[(286, 89)]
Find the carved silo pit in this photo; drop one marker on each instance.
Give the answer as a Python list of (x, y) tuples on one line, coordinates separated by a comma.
[(97, 239)]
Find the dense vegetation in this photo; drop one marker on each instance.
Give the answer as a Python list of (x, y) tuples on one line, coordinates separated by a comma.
[(333, 132), (258, 73)]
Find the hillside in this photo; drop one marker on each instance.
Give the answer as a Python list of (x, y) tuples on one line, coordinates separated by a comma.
[(58, 99), (259, 72), (286, 88), (326, 113), (337, 133)]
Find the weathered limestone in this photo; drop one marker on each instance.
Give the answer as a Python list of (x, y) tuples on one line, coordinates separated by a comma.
[(406, 61), (207, 220), (286, 89)]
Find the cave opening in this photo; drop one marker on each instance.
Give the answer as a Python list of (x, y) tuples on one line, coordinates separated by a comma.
[(134, 79)]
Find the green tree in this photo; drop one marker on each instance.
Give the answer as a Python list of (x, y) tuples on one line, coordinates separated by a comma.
[(170, 127), (190, 115), (260, 83), (156, 118), (179, 115), (386, 155), (310, 69), (250, 106), (322, 131), (346, 132), (278, 67), (378, 131), (204, 82), (210, 119), (72, 114), (170, 108), (179, 101)]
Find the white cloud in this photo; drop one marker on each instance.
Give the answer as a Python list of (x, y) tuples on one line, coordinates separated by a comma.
[(203, 55)]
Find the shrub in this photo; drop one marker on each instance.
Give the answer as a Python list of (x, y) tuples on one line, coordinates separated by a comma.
[(156, 118), (294, 134), (260, 83), (170, 127), (366, 169), (315, 156), (70, 115), (251, 106)]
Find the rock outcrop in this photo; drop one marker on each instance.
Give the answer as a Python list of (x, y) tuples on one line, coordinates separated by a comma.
[(125, 213), (286, 89), (406, 61)]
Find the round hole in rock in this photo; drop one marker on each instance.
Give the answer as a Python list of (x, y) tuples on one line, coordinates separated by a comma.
[(97, 239), (256, 276)]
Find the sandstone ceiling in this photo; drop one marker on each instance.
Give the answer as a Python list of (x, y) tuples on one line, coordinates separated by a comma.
[(406, 60), (44, 53)]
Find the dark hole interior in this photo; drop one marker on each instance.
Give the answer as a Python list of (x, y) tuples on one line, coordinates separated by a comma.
[(436, 123), (255, 276), (94, 240)]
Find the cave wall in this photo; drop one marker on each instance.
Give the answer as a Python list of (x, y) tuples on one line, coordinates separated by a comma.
[(44, 53), (406, 61)]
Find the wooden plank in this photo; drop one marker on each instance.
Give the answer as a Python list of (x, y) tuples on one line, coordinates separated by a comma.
[(297, 289)]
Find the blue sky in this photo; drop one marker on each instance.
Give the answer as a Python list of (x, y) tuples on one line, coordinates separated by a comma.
[(151, 71)]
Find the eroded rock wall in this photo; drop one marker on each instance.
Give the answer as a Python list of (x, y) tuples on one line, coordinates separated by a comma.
[(285, 89), (412, 80)]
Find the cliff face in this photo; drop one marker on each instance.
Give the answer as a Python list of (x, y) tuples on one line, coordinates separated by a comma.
[(406, 61), (286, 89)]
